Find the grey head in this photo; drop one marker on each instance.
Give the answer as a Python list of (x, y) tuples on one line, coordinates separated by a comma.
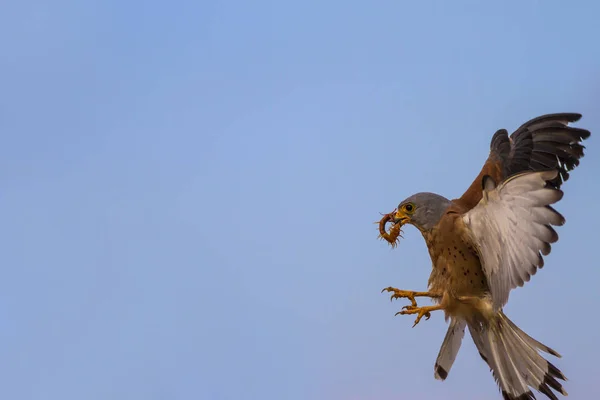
[(423, 210)]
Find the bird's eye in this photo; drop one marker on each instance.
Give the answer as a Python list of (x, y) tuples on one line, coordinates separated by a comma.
[(409, 208)]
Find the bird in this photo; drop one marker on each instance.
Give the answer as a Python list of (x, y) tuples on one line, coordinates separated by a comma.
[(488, 242)]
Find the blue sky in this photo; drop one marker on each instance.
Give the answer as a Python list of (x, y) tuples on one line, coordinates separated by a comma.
[(189, 191)]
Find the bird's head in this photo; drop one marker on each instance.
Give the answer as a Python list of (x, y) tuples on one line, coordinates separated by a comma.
[(422, 210)]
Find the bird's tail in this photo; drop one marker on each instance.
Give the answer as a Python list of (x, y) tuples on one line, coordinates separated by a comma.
[(515, 361), (450, 347)]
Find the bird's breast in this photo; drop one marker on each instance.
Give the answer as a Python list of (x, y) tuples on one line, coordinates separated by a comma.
[(456, 269)]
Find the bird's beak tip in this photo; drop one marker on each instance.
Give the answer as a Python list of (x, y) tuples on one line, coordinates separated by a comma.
[(400, 218)]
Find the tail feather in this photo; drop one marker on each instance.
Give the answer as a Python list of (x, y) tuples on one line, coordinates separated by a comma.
[(528, 339), (497, 358), (513, 357), (450, 347)]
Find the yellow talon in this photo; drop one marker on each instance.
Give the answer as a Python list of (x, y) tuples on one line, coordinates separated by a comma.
[(402, 294), (420, 311)]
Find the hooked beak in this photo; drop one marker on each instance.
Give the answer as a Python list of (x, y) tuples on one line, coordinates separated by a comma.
[(401, 218)]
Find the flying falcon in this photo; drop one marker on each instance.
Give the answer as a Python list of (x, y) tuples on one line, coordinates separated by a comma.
[(488, 242)]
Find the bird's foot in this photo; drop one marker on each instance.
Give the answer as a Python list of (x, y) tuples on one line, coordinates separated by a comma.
[(420, 311), (406, 294)]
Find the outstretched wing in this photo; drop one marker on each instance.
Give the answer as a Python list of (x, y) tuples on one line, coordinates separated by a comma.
[(541, 144), (511, 229)]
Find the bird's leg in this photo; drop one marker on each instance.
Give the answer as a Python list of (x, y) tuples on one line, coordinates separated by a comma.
[(420, 311), (407, 294)]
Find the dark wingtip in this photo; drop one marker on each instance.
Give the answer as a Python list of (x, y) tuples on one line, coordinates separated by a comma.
[(555, 372), (441, 372), (550, 382), (484, 358), (544, 389)]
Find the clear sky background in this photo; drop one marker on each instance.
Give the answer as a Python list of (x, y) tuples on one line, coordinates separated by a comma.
[(189, 190)]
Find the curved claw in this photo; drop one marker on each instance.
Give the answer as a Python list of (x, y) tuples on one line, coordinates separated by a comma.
[(389, 289), (403, 311), (402, 294), (427, 315), (411, 309), (394, 293), (420, 311)]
